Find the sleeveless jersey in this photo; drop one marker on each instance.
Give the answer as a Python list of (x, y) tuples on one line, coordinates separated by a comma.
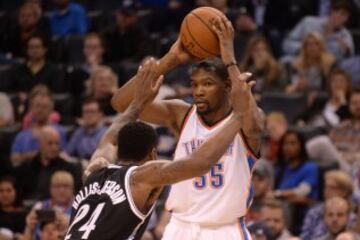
[(104, 208), (223, 194)]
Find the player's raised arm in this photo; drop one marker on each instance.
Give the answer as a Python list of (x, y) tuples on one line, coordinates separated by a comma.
[(167, 112), (146, 87), (253, 120), (160, 173)]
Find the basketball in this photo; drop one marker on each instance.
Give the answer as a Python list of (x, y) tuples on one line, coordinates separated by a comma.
[(197, 35)]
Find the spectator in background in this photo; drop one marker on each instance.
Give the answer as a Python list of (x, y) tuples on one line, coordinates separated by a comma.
[(68, 18), (312, 66), (12, 214), (329, 112), (263, 182), (85, 139), (245, 28), (276, 127), (336, 217), (297, 180), (6, 111), (273, 215), (61, 197), (337, 184), (346, 138), (49, 231), (36, 70), (338, 39), (260, 231), (125, 40), (35, 174), (29, 22), (348, 235), (258, 60), (26, 145), (37, 109), (101, 86), (94, 56)]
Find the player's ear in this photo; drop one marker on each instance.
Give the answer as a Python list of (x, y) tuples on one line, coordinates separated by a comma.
[(153, 154)]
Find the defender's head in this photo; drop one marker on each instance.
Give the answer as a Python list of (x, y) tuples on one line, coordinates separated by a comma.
[(137, 143), (210, 86)]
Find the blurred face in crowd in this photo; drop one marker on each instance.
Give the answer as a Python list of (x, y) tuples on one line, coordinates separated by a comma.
[(41, 107), (291, 147), (36, 50), (7, 194), (92, 115), (260, 54), (103, 83), (332, 189), (312, 47), (49, 143), (126, 20), (50, 232), (338, 82), (244, 23), (338, 18), (93, 47), (62, 188), (336, 215), (355, 105), (28, 17), (261, 185), (219, 4), (276, 126), (274, 219), (61, 4)]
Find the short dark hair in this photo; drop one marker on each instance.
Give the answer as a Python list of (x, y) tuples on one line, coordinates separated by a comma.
[(214, 65), (354, 91), (90, 100), (135, 141), (342, 4), (43, 40)]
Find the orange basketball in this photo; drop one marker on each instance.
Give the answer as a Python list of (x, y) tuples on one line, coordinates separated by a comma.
[(197, 35)]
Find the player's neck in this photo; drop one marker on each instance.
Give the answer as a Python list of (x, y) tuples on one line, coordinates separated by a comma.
[(216, 116)]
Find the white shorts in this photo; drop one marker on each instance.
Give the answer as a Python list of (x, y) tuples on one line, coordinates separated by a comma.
[(179, 230)]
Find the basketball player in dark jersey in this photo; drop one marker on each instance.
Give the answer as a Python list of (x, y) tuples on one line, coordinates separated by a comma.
[(117, 200)]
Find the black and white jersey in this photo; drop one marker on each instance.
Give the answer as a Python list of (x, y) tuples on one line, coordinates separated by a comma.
[(104, 208)]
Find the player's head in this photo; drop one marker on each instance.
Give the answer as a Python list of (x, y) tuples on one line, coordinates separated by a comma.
[(210, 86), (137, 142)]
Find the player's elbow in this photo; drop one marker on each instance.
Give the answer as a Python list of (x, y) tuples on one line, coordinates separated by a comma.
[(116, 103)]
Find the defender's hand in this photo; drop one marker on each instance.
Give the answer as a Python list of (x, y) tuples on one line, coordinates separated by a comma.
[(148, 82), (225, 32), (241, 95)]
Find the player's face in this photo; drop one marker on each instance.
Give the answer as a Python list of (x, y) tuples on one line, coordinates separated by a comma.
[(355, 105), (209, 91), (291, 147), (274, 219), (7, 194)]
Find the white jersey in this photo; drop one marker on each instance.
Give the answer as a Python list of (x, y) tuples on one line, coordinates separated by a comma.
[(221, 196)]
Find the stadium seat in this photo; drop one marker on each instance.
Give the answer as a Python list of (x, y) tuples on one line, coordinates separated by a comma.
[(292, 105), (5, 81), (74, 49), (356, 37), (56, 51)]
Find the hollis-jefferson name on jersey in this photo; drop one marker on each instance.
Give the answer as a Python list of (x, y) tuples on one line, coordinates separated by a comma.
[(111, 188)]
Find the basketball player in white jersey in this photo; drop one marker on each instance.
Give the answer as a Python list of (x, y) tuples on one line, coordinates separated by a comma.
[(212, 206)]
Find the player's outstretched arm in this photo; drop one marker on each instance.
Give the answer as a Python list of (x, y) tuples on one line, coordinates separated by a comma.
[(147, 86), (160, 173), (253, 118), (166, 112)]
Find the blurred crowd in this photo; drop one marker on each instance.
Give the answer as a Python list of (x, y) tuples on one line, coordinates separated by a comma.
[(62, 60)]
